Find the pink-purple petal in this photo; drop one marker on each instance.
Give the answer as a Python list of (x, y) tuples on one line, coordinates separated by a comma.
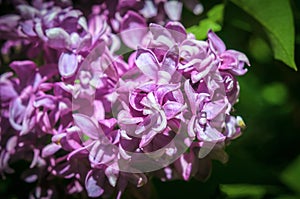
[(67, 64), (147, 63), (58, 38), (133, 29), (215, 43), (87, 126)]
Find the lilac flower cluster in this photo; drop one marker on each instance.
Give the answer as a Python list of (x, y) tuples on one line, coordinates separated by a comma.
[(76, 109)]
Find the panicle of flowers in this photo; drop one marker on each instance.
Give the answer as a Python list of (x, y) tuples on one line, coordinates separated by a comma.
[(76, 109)]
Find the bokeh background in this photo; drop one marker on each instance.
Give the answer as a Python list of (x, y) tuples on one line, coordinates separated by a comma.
[(265, 161)]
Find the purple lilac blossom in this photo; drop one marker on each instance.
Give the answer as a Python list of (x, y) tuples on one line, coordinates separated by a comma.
[(91, 119)]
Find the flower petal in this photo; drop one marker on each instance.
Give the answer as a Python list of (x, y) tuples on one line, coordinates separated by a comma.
[(92, 186), (215, 43), (177, 30), (147, 63), (162, 38), (191, 131), (87, 126), (133, 29), (163, 90), (185, 165), (16, 113), (58, 38), (190, 93), (214, 108), (170, 61), (11, 144), (27, 12), (112, 175), (173, 9), (67, 64), (172, 108), (124, 117), (25, 70), (50, 149), (149, 10), (146, 139)]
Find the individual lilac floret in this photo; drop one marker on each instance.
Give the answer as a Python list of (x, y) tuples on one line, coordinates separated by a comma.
[(229, 60)]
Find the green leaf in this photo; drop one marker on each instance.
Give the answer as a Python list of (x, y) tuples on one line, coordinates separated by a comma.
[(216, 13), (201, 30), (277, 18), (213, 21), (243, 190)]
